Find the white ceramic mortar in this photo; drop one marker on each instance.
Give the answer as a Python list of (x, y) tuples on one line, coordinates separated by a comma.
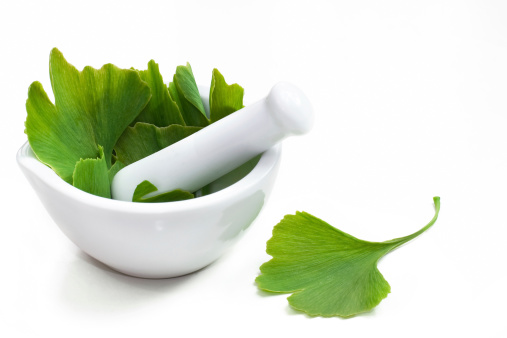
[(155, 240)]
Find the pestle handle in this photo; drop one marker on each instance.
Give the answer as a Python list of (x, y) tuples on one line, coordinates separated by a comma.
[(222, 146)]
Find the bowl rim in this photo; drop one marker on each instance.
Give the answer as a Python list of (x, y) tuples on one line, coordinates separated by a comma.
[(27, 160)]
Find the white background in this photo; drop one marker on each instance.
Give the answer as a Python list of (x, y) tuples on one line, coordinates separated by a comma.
[(411, 102)]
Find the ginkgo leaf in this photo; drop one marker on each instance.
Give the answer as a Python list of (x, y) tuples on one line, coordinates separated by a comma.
[(117, 166), (328, 272), (91, 175), (146, 187), (185, 93), (161, 110), (173, 93), (92, 107), (224, 99), (145, 139), (85, 135)]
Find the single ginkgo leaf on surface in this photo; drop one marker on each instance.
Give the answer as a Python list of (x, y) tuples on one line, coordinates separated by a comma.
[(146, 187), (161, 110), (92, 108), (328, 272), (185, 93), (224, 99), (145, 139)]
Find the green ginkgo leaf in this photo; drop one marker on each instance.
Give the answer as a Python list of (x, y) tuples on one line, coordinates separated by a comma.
[(161, 110), (328, 272), (117, 166), (92, 175), (92, 108), (105, 119), (145, 187), (173, 93), (185, 93), (224, 99), (145, 139)]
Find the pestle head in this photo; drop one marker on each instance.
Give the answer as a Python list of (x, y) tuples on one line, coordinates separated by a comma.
[(291, 108)]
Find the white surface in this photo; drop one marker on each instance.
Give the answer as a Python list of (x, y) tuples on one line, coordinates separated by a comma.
[(154, 240), (410, 103), (212, 152)]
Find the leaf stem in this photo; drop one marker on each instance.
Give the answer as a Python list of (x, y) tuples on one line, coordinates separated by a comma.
[(403, 240)]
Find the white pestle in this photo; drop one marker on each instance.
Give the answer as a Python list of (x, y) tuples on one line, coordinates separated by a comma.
[(212, 152)]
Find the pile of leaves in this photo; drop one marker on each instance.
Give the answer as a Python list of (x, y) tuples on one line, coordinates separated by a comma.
[(105, 119)]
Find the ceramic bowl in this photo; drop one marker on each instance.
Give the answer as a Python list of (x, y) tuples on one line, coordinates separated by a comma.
[(156, 240)]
